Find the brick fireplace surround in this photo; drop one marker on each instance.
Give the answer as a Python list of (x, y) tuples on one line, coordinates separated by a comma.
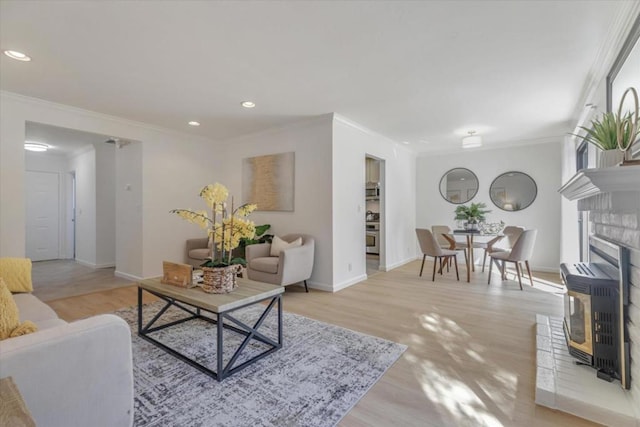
[(612, 198)]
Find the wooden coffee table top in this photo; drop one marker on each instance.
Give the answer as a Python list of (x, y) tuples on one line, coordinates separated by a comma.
[(247, 292)]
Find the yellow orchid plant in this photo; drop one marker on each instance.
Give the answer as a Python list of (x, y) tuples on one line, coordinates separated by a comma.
[(225, 229)]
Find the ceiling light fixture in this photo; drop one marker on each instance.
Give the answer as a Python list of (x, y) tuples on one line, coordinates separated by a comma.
[(406, 142), (472, 141), (14, 54), (194, 123), (35, 146), (248, 104)]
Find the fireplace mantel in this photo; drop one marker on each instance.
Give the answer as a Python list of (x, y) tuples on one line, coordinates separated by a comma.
[(590, 182)]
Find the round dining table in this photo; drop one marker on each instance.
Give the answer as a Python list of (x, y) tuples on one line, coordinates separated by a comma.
[(470, 234)]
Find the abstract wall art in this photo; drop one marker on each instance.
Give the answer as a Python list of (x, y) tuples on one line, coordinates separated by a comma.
[(268, 181)]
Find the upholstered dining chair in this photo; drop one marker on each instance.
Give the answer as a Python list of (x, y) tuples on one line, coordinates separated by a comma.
[(499, 243), (521, 251), (446, 240), (430, 247)]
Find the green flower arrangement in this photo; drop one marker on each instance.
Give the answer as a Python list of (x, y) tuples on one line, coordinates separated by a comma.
[(473, 213), (226, 228)]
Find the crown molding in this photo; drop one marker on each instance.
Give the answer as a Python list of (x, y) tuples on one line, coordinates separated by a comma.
[(556, 139), (95, 115)]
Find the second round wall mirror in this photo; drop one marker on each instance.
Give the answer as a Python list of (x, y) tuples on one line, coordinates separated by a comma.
[(513, 191)]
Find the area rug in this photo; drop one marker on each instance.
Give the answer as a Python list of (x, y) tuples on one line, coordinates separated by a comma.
[(321, 372)]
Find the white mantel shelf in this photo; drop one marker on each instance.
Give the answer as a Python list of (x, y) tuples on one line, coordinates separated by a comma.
[(589, 182)]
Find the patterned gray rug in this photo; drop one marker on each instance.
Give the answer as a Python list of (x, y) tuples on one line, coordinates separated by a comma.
[(321, 372)]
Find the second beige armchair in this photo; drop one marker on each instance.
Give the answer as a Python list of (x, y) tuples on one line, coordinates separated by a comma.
[(293, 265)]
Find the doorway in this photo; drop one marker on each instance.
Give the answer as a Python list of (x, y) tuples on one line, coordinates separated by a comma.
[(43, 215), (374, 215)]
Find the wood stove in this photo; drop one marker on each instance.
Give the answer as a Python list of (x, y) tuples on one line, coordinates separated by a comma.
[(596, 303)]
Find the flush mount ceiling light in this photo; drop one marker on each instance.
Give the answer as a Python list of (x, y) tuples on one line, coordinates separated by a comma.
[(248, 104), (14, 54), (406, 142), (194, 123), (472, 141), (35, 146)]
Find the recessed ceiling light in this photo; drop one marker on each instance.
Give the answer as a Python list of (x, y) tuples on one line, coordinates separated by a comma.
[(461, 179), (194, 123), (35, 146), (14, 54), (406, 142), (248, 104)]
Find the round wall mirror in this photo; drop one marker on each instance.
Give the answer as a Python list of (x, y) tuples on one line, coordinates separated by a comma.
[(513, 191), (459, 185)]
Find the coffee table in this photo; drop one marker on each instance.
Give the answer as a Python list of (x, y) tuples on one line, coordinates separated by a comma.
[(197, 303)]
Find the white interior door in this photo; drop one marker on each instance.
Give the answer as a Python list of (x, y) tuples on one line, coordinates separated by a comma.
[(43, 210)]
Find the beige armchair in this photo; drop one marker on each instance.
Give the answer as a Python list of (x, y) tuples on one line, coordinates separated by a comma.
[(197, 251), (294, 265)]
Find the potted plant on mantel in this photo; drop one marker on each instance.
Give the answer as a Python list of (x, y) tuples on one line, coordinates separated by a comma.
[(603, 133), (472, 214)]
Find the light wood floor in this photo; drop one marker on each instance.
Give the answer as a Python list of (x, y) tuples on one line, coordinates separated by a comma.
[(65, 278), (471, 355)]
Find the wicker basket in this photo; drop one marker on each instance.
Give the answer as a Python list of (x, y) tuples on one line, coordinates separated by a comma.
[(220, 280)]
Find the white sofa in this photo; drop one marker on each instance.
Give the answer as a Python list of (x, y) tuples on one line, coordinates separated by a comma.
[(71, 374)]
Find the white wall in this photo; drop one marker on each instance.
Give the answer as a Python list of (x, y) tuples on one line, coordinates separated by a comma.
[(329, 193), (311, 142), (84, 166), (173, 167), (128, 210), (351, 144), (542, 162), (105, 204)]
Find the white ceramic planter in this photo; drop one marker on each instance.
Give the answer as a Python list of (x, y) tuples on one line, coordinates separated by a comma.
[(610, 158)]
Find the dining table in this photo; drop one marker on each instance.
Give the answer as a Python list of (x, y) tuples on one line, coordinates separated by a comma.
[(470, 234)]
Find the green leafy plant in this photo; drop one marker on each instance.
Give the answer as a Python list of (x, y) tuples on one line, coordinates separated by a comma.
[(258, 237), (473, 213), (603, 132)]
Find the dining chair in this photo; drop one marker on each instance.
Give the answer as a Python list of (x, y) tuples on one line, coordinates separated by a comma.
[(498, 244), (446, 240), (430, 247), (521, 251)]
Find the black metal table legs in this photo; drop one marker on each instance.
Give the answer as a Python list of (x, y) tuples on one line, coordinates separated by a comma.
[(250, 333)]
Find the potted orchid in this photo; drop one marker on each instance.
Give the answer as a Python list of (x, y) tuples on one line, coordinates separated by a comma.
[(226, 227)]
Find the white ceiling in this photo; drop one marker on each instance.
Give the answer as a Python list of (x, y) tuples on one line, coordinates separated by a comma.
[(412, 71), (61, 140)]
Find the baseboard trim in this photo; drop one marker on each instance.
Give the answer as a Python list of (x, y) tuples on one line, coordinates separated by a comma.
[(110, 265), (92, 265), (390, 267), (127, 276), (350, 282), (318, 286)]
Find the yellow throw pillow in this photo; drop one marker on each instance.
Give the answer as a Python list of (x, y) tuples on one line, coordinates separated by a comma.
[(9, 318), (16, 273), (278, 245)]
